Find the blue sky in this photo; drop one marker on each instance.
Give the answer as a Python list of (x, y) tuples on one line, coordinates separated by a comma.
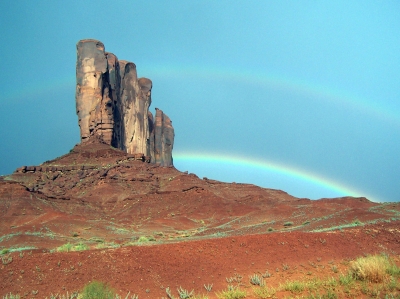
[(301, 96)]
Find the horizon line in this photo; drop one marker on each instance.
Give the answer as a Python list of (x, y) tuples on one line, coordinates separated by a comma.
[(266, 165)]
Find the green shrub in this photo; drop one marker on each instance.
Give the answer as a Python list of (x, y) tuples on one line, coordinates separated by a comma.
[(256, 279), (356, 222), (143, 239), (81, 247), (66, 247), (346, 280), (97, 290), (393, 270), (70, 247), (4, 251), (286, 224)]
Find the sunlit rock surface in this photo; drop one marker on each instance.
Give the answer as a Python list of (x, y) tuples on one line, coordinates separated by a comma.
[(113, 105)]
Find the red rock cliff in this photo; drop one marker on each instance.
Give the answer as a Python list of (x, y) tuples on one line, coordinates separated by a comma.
[(113, 105)]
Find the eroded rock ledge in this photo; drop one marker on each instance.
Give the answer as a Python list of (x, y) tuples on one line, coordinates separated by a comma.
[(113, 104)]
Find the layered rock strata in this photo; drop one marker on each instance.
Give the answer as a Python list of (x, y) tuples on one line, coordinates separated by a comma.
[(113, 104)]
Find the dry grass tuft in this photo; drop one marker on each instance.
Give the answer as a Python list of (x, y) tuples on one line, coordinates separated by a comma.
[(371, 268)]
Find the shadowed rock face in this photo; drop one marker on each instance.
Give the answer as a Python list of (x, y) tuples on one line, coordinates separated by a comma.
[(113, 105), (163, 139)]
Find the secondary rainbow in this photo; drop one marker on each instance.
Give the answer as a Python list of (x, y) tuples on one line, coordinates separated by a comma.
[(258, 78), (277, 81), (266, 165)]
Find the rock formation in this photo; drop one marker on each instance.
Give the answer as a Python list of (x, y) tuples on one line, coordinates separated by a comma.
[(113, 104), (163, 139)]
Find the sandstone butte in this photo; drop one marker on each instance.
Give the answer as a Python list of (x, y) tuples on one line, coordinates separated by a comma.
[(118, 189), (113, 105)]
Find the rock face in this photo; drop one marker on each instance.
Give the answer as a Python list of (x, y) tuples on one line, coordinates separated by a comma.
[(113, 104), (163, 139)]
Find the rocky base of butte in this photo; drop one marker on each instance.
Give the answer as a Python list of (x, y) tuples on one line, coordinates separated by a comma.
[(113, 105)]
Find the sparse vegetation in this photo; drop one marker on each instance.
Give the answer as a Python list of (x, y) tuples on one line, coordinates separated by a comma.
[(256, 279), (208, 287), (264, 292), (346, 279), (64, 248), (70, 247), (184, 294), (287, 224), (66, 296), (371, 268), (80, 247), (4, 251), (97, 290), (144, 239), (6, 259), (232, 293), (285, 267), (266, 274), (293, 286), (11, 296), (234, 279), (373, 276)]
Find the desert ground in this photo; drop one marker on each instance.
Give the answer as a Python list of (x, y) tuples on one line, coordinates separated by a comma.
[(97, 213)]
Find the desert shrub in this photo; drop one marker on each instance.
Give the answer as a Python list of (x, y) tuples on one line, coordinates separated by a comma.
[(6, 259), (286, 224), (70, 247), (371, 268), (11, 296), (264, 292), (66, 247), (97, 290), (81, 247), (294, 286), (184, 294), (73, 295), (256, 279), (346, 279), (4, 251), (143, 239), (231, 293), (96, 239), (393, 269)]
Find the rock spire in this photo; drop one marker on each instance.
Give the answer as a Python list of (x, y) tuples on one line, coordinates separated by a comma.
[(113, 104)]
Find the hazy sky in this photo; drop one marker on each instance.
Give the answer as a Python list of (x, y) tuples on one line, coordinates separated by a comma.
[(302, 96)]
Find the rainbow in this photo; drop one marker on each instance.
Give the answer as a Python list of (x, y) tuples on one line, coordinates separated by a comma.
[(268, 166), (276, 81), (258, 78)]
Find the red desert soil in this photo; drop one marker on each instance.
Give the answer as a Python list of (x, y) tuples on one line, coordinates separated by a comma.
[(199, 231)]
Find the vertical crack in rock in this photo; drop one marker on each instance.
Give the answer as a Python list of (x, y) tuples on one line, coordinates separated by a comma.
[(113, 105)]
